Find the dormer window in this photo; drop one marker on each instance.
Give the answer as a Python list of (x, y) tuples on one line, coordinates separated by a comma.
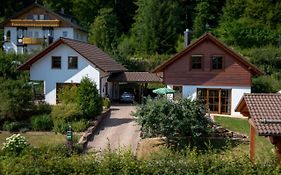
[(217, 62), (196, 62)]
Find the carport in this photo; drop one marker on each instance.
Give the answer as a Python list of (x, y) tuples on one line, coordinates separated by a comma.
[(136, 82)]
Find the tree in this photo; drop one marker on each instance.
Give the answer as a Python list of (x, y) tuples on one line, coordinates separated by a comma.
[(89, 100), (156, 26), (105, 30)]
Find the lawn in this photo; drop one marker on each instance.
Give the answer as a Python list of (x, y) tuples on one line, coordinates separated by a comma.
[(37, 139), (264, 149)]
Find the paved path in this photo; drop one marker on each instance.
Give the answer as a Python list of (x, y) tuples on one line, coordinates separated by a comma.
[(119, 130)]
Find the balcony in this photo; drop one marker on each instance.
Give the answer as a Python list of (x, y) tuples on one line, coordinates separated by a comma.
[(32, 41), (34, 23)]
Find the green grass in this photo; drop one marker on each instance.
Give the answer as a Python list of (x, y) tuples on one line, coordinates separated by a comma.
[(37, 139), (264, 149)]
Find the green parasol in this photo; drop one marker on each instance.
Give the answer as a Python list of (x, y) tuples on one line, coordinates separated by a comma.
[(163, 91)]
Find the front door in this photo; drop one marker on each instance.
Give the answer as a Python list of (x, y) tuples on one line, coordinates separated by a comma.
[(216, 100)]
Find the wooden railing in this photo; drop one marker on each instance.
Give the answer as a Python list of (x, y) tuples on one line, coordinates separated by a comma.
[(34, 23), (33, 41)]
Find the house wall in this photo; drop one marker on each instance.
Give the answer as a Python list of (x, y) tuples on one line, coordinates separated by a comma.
[(234, 73), (42, 71), (10, 46), (237, 92)]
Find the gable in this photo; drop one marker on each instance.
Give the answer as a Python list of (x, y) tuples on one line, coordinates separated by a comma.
[(207, 38)]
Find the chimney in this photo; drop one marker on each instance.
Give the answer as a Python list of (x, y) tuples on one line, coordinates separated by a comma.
[(187, 37)]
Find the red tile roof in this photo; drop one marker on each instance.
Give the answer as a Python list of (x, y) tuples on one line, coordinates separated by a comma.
[(252, 68), (91, 52), (134, 77), (264, 112)]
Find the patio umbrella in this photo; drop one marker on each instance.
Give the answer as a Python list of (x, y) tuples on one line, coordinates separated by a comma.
[(163, 91)]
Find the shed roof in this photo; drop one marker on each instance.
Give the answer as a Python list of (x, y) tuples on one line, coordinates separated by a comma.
[(264, 112), (138, 77), (91, 52)]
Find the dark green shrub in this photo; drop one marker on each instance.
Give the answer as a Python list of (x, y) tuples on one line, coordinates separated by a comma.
[(89, 100), (175, 121), (80, 125), (42, 123), (106, 103), (43, 109), (265, 84), (68, 94), (12, 126)]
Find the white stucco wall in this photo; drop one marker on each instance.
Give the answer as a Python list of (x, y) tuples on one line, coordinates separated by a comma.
[(58, 32), (190, 91), (42, 71)]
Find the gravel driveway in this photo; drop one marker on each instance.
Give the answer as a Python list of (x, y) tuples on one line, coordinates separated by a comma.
[(119, 130)]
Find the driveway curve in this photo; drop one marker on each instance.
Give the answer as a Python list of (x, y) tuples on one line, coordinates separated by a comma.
[(119, 130)]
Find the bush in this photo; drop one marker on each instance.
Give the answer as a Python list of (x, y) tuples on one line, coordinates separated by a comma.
[(60, 126), (43, 109), (265, 84), (66, 112), (106, 103), (41, 123), (15, 143), (11, 126), (68, 94), (175, 121), (79, 126), (89, 100)]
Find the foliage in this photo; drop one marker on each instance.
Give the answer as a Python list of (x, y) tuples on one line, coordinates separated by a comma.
[(41, 123), (266, 84), (80, 125), (105, 30), (106, 103), (175, 121), (68, 94), (157, 34), (60, 126), (44, 108), (15, 143), (66, 112), (89, 100), (11, 126)]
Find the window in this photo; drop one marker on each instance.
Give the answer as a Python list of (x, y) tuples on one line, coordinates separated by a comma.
[(56, 62), (178, 93), (217, 62), (64, 34), (41, 17), (35, 17), (196, 62), (36, 34), (8, 35), (72, 62)]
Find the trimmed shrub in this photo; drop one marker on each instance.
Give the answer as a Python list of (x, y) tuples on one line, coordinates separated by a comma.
[(41, 123), (12, 126), (89, 100), (79, 126), (15, 143), (43, 108), (60, 126), (68, 94), (106, 103), (66, 112)]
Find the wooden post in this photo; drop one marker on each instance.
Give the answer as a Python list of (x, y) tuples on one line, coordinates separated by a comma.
[(252, 143), (277, 145)]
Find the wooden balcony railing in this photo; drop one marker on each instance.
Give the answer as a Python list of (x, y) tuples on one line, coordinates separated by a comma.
[(34, 23), (32, 41)]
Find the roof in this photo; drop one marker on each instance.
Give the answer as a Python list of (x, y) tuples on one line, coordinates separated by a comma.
[(134, 77), (207, 37), (264, 112), (63, 17), (91, 52)]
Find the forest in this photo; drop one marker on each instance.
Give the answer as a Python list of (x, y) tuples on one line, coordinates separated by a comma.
[(143, 33)]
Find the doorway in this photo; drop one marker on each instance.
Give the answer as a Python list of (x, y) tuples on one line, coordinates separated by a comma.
[(216, 100)]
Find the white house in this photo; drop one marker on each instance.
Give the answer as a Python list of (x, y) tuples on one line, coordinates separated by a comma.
[(210, 71), (35, 27), (68, 61)]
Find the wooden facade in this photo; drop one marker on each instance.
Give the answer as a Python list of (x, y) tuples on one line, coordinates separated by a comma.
[(233, 73)]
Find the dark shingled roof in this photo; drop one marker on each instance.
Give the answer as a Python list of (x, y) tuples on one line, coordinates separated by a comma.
[(91, 52), (264, 112), (134, 77)]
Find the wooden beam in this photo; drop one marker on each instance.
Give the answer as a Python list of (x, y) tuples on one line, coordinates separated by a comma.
[(252, 143)]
